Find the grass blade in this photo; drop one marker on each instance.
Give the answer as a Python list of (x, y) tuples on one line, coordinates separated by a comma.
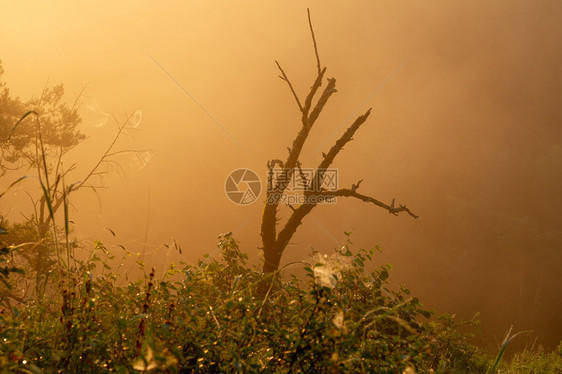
[(13, 184), (20, 121)]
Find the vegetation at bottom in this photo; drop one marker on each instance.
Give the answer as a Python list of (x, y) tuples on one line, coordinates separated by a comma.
[(68, 307), (223, 315)]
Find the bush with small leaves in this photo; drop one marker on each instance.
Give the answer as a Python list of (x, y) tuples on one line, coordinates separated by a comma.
[(225, 316)]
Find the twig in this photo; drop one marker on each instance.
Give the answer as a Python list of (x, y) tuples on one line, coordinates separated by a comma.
[(314, 41), (286, 79), (345, 192)]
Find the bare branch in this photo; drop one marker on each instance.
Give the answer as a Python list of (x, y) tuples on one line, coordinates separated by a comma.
[(331, 155), (328, 91), (273, 242), (286, 79), (354, 187), (302, 174), (291, 226), (343, 140), (314, 41), (308, 101), (299, 141), (345, 192)]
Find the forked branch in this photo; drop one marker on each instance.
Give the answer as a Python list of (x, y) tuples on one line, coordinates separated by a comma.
[(284, 77), (273, 243)]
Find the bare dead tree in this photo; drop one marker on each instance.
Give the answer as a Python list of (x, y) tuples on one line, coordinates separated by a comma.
[(273, 242)]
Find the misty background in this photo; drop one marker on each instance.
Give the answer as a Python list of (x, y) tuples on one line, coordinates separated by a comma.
[(467, 133)]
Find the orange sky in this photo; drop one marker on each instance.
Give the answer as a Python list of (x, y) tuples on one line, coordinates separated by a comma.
[(467, 133)]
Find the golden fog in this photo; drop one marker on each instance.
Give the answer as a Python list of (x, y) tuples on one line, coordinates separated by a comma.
[(467, 133)]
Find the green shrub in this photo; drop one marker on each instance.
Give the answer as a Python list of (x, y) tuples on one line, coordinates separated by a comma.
[(224, 316)]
